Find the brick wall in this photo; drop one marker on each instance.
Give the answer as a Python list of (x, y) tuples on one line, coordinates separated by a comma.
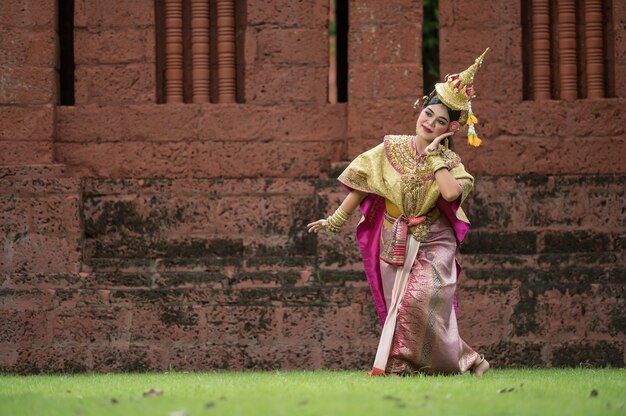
[(144, 236), (544, 278)]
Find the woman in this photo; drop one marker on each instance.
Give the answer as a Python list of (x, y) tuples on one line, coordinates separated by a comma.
[(410, 189)]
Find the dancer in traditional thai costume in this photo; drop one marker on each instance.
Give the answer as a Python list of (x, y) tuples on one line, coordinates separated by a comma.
[(410, 189)]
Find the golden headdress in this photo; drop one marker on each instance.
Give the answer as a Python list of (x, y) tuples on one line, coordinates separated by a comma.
[(457, 91)]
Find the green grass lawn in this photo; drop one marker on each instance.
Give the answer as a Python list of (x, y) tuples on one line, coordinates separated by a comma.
[(499, 392)]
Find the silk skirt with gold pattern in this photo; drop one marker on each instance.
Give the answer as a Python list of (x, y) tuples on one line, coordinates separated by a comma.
[(426, 337)]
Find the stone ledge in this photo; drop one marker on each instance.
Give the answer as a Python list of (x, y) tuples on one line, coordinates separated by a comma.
[(200, 122)]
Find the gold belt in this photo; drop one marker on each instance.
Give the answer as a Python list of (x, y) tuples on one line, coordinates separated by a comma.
[(394, 251)]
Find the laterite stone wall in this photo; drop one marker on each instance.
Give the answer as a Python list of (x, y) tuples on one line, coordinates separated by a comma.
[(141, 236)]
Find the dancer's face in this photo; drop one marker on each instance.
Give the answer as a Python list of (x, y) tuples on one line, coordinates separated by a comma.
[(432, 122)]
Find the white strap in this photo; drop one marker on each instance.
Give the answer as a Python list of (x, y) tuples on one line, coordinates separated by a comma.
[(399, 287)]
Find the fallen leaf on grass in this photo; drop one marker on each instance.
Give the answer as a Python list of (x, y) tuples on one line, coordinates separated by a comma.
[(398, 400), (390, 398), (153, 392), (594, 393), (509, 390)]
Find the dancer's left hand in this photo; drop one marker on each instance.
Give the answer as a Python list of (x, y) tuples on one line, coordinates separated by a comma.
[(434, 145)]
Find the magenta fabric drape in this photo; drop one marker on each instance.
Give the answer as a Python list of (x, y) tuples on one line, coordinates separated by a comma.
[(368, 237)]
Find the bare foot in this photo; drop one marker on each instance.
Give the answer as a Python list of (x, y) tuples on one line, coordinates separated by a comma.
[(481, 367)]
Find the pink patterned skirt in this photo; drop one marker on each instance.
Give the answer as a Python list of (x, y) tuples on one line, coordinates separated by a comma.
[(426, 337)]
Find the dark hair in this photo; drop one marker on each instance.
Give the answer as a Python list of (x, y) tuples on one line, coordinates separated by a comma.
[(455, 115)]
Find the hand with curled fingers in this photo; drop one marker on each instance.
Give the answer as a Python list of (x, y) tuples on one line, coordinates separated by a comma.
[(317, 226), (434, 145)]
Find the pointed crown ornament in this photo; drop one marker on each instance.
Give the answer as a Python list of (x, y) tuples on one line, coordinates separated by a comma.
[(457, 91)]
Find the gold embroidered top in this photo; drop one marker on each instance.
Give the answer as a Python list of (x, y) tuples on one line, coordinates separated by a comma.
[(394, 171)]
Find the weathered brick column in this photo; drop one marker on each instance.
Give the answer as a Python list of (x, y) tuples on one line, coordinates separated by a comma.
[(27, 82)]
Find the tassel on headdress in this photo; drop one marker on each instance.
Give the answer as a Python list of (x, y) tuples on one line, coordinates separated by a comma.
[(457, 91)]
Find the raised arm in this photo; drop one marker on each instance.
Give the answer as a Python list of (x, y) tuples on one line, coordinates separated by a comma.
[(347, 207), (448, 186)]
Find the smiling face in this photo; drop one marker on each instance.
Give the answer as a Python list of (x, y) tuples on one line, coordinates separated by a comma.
[(432, 122)]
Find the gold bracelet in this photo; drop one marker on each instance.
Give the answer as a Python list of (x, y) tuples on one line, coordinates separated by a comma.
[(435, 160), (439, 164), (330, 227), (337, 220)]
